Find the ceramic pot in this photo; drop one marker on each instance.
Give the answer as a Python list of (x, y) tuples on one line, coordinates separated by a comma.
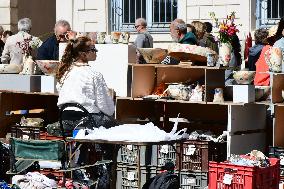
[(218, 95), (115, 37), (101, 36), (274, 58), (28, 66), (125, 37), (225, 50), (179, 91)]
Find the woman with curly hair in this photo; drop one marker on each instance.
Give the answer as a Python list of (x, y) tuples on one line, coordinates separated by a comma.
[(78, 83)]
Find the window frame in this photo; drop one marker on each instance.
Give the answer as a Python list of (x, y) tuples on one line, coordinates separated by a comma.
[(118, 24)]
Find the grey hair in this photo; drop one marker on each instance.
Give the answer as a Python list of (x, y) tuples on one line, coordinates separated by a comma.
[(180, 25), (25, 24), (63, 23), (141, 21)]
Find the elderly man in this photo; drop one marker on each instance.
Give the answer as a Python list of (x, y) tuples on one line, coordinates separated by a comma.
[(17, 45), (179, 34), (49, 50), (144, 39)]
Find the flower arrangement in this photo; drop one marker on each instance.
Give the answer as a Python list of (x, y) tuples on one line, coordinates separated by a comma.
[(227, 28), (29, 44)]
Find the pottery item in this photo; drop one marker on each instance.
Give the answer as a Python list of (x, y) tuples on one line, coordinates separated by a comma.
[(197, 93), (262, 93), (108, 39), (273, 57), (101, 36), (125, 37), (48, 67), (225, 50), (192, 53), (29, 67), (210, 59), (153, 55), (244, 77), (179, 91), (218, 95), (115, 37)]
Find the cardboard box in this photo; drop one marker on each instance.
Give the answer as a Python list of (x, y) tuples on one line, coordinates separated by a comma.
[(243, 93), (48, 84)]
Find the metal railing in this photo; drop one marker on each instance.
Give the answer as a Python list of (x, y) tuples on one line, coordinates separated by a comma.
[(268, 12), (158, 14)]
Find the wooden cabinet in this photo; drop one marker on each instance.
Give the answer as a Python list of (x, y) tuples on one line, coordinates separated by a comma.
[(244, 123)]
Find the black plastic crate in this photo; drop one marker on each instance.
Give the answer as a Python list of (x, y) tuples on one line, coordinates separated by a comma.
[(134, 155), (134, 177), (194, 180), (278, 152), (162, 154), (196, 154), (25, 132)]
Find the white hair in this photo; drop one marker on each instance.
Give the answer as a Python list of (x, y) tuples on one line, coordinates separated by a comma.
[(25, 24), (63, 23), (141, 21)]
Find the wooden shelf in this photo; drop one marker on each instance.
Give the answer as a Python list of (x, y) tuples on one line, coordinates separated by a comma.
[(178, 66), (280, 104)]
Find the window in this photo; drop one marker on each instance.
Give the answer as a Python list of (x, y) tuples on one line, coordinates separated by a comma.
[(158, 14), (269, 12)]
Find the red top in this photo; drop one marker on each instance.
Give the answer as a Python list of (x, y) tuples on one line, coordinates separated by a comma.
[(262, 79)]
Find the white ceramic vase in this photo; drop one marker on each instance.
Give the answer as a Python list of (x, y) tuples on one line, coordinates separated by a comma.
[(225, 50)]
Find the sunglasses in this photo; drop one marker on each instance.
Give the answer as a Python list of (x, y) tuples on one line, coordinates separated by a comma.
[(136, 26), (93, 49)]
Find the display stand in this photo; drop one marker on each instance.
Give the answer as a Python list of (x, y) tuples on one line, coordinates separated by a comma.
[(245, 123)]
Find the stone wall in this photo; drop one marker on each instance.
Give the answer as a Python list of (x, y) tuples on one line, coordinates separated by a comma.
[(84, 15), (41, 12), (245, 12), (9, 14)]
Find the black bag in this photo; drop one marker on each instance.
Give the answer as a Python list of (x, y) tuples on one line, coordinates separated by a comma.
[(166, 180)]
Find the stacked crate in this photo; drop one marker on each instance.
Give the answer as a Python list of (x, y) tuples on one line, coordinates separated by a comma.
[(25, 132), (133, 166), (194, 160), (137, 164)]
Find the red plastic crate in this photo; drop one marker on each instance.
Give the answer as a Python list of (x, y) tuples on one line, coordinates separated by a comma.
[(244, 177)]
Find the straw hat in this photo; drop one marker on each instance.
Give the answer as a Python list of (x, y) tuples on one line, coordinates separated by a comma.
[(272, 31)]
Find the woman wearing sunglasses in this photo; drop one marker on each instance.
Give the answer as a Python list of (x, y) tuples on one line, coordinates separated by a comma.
[(78, 83)]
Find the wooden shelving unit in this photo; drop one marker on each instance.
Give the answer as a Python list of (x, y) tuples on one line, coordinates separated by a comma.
[(245, 123)]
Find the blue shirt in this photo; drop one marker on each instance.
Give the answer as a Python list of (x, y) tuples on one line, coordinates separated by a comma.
[(280, 44), (49, 50)]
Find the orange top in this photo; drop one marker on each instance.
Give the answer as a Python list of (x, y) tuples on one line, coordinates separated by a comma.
[(262, 79)]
